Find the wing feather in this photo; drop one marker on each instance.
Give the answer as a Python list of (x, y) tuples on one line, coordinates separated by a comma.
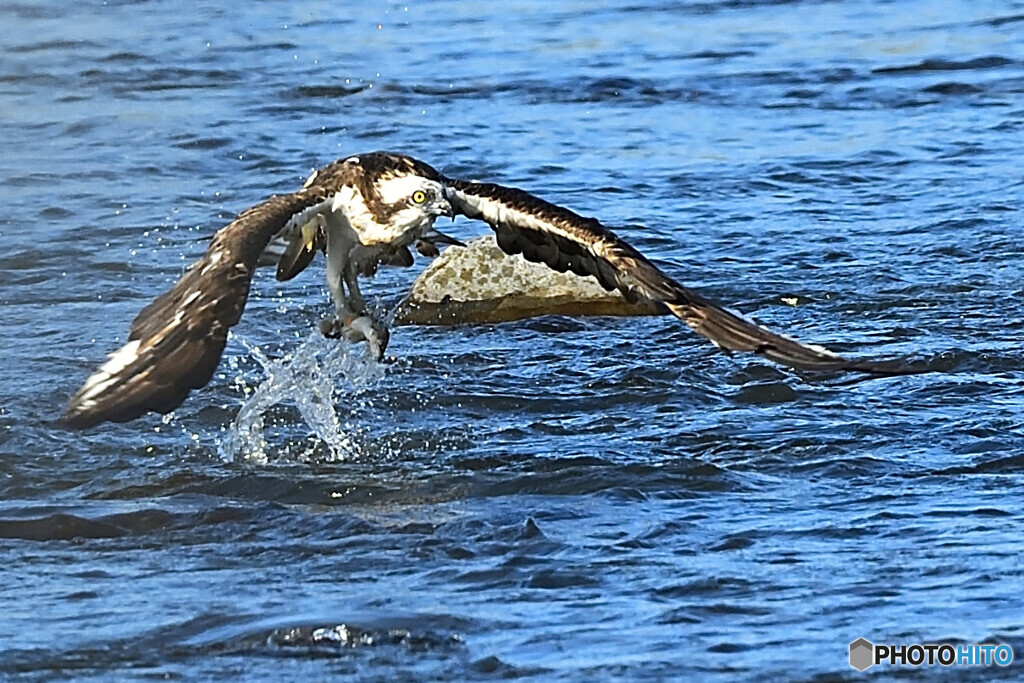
[(176, 342), (527, 225)]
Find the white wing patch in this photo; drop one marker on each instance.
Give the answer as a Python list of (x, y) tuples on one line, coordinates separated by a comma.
[(188, 300), (107, 374), (212, 260), (495, 212)]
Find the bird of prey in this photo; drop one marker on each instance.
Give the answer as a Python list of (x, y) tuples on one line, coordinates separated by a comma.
[(364, 211)]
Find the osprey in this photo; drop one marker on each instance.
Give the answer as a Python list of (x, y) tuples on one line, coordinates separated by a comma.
[(364, 211)]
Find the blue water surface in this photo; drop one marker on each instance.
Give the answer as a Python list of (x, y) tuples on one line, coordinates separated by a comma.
[(554, 498)]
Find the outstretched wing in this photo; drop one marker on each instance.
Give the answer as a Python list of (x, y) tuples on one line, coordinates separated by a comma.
[(545, 233), (175, 343)]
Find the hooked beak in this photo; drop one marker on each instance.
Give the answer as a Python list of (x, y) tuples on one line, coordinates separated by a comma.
[(446, 205), (446, 208)]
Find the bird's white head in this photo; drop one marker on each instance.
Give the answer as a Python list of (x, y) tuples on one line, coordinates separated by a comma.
[(413, 197), (402, 196)]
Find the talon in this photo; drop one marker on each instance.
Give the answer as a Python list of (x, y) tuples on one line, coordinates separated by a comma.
[(356, 329), (330, 328)]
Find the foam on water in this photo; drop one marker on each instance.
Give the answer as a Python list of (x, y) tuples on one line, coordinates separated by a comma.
[(314, 378)]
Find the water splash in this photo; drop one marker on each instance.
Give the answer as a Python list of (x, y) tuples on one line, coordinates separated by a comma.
[(307, 378)]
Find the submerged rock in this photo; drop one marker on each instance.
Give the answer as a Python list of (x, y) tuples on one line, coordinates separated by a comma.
[(479, 283)]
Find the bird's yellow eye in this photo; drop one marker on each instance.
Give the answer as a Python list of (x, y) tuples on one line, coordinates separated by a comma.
[(419, 196)]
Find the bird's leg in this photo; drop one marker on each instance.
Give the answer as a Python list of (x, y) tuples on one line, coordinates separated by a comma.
[(334, 326), (350, 318), (336, 285), (356, 302), (363, 326)]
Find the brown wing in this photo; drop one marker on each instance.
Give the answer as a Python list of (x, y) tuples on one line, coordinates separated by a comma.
[(563, 240), (176, 341)]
